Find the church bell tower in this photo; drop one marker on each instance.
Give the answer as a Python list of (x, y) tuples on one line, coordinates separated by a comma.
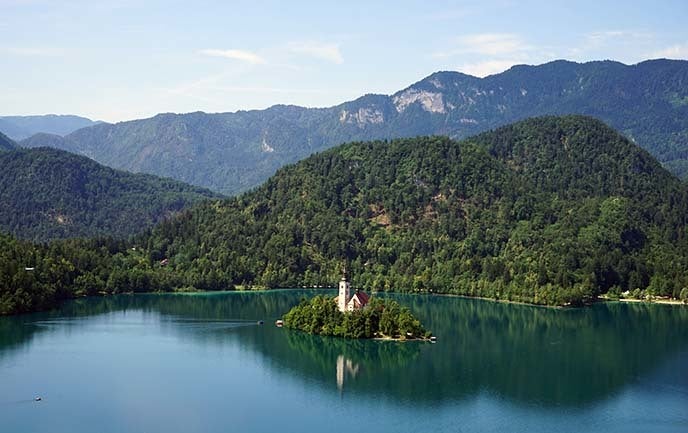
[(344, 292)]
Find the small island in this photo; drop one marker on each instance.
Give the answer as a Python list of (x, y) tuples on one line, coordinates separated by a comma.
[(355, 316)]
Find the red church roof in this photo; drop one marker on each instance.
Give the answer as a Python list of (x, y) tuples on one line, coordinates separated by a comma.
[(361, 297)]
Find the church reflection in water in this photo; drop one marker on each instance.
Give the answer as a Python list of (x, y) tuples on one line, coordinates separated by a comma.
[(345, 368)]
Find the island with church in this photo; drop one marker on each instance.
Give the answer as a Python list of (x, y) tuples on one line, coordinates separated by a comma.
[(355, 314)]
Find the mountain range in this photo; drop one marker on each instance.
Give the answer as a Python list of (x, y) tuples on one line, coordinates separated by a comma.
[(49, 193), (20, 127), (234, 152)]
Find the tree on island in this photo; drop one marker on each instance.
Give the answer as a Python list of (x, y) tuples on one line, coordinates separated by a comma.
[(381, 318)]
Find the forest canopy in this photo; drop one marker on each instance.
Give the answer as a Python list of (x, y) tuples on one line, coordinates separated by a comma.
[(380, 318), (551, 210)]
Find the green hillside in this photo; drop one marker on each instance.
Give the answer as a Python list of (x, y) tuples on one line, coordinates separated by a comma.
[(48, 194), (551, 210), (6, 143)]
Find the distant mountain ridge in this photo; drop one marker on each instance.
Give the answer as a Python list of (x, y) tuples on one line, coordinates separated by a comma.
[(49, 194), (21, 127), (233, 152)]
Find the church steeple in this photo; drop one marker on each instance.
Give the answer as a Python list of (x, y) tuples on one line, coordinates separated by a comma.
[(344, 291)]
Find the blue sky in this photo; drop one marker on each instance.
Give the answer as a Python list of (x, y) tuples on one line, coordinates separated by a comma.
[(126, 59)]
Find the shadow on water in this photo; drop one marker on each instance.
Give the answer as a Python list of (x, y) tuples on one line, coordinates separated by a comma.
[(524, 354)]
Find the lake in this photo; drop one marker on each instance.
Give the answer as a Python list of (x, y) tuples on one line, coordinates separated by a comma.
[(201, 363)]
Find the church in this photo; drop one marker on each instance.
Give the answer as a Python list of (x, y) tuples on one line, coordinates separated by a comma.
[(348, 302)]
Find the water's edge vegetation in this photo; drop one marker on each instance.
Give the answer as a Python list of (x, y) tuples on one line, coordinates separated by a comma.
[(381, 318), (548, 211)]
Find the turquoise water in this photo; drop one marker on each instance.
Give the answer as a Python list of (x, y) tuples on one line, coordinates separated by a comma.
[(187, 363)]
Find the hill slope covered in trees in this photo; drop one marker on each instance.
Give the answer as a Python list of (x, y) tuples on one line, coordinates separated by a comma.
[(551, 210), (6, 143), (49, 193), (233, 152)]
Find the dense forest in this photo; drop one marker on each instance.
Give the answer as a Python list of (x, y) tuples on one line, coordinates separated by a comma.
[(551, 210), (6, 143), (35, 277), (234, 152), (381, 318), (48, 193)]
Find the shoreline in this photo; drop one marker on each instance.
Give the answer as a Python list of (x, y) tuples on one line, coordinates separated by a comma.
[(662, 301), (601, 298), (259, 289), (399, 340), (482, 298)]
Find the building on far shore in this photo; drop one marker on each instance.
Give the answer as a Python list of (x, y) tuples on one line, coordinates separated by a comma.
[(346, 301)]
